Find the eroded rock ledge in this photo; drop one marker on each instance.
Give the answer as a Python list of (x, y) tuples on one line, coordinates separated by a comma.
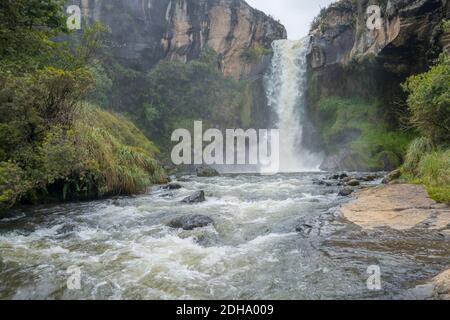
[(404, 207), (399, 206)]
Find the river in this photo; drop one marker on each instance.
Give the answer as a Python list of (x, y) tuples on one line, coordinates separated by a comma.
[(274, 237)]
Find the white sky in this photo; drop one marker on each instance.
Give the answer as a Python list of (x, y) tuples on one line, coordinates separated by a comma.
[(295, 15)]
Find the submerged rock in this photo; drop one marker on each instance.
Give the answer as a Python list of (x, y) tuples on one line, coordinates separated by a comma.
[(304, 228), (195, 198), (353, 183), (173, 186), (191, 222), (67, 229)]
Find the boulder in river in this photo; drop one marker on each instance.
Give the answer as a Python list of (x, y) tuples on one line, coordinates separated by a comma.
[(173, 186), (370, 178), (343, 176), (353, 183), (345, 192), (346, 179), (196, 197), (207, 172), (394, 175), (191, 222)]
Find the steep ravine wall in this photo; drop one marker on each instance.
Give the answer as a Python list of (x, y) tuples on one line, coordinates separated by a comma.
[(146, 31), (348, 60)]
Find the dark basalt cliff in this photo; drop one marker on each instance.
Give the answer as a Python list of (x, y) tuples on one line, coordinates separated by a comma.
[(147, 31), (348, 59)]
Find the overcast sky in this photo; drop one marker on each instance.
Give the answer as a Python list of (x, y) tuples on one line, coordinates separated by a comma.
[(295, 15)]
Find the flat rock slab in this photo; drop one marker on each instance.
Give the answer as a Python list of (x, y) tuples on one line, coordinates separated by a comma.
[(400, 207)]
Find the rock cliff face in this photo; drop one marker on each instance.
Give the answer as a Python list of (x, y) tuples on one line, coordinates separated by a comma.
[(411, 36), (146, 31), (353, 56)]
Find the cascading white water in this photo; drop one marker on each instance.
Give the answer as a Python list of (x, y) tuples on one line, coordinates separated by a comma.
[(285, 89)]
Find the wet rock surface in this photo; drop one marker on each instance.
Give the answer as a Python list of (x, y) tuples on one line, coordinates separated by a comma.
[(191, 222), (345, 192), (197, 197), (252, 229), (399, 207), (207, 172), (173, 186), (392, 176)]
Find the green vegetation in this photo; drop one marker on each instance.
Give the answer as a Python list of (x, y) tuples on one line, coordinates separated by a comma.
[(416, 151), (52, 145), (119, 158), (446, 25), (429, 101), (178, 93), (254, 54), (355, 124), (433, 170), (428, 158)]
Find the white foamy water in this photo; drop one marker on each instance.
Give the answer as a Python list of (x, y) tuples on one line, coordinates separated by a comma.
[(125, 249), (285, 88)]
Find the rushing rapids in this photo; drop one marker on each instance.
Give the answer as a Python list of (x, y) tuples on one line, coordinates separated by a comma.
[(275, 237)]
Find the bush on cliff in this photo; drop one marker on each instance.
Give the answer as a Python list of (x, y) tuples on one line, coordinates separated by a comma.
[(355, 125), (428, 157), (429, 101), (179, 93)]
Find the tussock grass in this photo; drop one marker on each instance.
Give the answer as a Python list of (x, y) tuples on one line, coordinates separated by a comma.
[(121, 157), (430, 168), (416, 151)]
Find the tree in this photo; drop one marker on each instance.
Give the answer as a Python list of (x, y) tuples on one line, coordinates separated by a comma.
[(25, 29), (429, 101)]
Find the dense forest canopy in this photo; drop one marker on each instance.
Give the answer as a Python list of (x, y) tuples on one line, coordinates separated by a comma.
[(54, 145)]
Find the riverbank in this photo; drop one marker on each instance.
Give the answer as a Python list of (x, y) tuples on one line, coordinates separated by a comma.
[(403, 207)]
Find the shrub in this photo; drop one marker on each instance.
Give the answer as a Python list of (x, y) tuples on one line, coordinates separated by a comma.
[(254, 54), (118, 154), (429, 101), (12, 184), (434, 172), (356, 125), (434, 168), (416, 151)]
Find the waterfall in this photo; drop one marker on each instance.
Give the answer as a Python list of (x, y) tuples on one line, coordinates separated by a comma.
[(285, 89)]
